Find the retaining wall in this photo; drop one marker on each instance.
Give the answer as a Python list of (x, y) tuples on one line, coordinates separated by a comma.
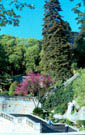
[(17, 105)]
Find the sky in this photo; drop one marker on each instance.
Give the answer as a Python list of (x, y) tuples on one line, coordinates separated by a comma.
[(31, 21)]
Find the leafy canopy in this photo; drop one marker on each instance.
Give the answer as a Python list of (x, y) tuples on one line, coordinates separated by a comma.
[(81, 14), (9, 11)]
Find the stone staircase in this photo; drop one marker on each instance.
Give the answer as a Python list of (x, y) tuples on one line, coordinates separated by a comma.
[(11, 124)]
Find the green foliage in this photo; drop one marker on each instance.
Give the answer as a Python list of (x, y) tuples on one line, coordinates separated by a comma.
[(79, 88), (74, 67), (32, 58), (21, 55), (37, 111), (5, 81), (81, 14), (59, 99), (56, 57), (17, 56), (81, 122), (80, 39), (69, 122), (3, 60), (8, 42), (80, 50), (14, 53), (8, 11), (66, 121), (16, 59), (60, 108), (31, 42), (3, 93), (69, 93), (12, 88)]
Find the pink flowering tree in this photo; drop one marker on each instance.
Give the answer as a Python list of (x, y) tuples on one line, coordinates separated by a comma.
[(34, 84)]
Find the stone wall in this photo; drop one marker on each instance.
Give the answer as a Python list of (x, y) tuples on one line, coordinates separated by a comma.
[(17, 105)]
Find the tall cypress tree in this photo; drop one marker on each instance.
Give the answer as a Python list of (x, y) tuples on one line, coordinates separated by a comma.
[(56, 52)]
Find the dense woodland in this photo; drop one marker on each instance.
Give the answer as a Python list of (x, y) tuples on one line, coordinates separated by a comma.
[(52, 60)]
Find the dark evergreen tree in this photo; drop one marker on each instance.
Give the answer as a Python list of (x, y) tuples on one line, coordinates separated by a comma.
[(4, 76), (2, 60), (80, 50), (80, 39), (56, 53)]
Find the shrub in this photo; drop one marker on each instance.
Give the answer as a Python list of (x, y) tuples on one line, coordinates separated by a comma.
[(12, 88), (49, 102), (34, 84), (3, 93), (59, 99), (61, 108), (79, 88), (37, 111), (5, 81), (81, 122), (66, 121), (69, 122)]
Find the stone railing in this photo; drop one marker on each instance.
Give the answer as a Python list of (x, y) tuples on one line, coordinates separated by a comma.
[(16, 98), (6, 116), (71, 79), (29, 123), (69, 133), (36, 126), (15, 133)]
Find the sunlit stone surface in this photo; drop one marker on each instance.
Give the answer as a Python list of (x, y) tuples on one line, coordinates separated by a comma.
[(14, 126), (72, 116), (81, 113), (17, 105)]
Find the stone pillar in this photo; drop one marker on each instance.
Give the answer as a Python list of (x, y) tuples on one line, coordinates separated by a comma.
[(37, 129)]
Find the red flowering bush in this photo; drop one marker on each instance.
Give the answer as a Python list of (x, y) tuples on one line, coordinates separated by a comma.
[(34, 84)]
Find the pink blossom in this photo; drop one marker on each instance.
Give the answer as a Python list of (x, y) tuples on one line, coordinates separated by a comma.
[(33, 83)]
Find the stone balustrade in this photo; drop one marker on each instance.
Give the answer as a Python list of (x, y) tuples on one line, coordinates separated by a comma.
[(71, 79), (6, 116)]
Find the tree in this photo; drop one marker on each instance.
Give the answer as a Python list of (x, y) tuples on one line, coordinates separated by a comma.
[(14, 50), (34, 84), (3, 63), (32, 56), (4, 76), (29, 42), (16, 59), (8, 11), (12, 88), (56, 52), (81, 15), (22, 55), (80, 40), (2, 60), (80, 50), (7, 42)]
